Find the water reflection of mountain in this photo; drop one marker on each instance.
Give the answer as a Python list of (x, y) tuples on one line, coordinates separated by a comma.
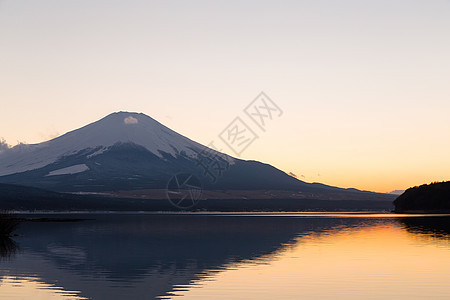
[(8, 248), (144, 256), (435, 227)]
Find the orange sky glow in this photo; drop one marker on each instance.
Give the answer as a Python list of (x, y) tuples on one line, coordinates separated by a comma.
[(363, 86)]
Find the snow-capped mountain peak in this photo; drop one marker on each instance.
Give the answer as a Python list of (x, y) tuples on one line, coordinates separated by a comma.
[(119, 127), (126, 127)]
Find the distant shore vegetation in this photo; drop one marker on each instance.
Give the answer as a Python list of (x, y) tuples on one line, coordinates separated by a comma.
[(433, 197)]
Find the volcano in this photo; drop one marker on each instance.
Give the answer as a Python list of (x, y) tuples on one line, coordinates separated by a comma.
[(127, 152)]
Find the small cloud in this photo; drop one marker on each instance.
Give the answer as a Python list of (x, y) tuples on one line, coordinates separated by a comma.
[(3, 145), (292, 174), (130, 120)]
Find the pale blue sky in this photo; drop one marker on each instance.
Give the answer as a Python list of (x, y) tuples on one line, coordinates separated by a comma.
[(364, 85)]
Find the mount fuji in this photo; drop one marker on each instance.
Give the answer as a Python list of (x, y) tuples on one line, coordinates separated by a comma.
[(97, 138), (126, 152)]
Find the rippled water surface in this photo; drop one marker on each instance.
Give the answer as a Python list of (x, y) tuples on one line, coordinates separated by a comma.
[(229, 256)]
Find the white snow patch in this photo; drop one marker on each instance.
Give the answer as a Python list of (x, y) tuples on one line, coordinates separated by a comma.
[(69, 170), (98, 152), (130, 120)]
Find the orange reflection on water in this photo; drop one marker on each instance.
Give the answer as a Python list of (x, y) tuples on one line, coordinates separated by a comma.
[(31, 288), (381, 260)]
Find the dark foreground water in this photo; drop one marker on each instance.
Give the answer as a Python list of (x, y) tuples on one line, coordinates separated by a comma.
[(219, 256)]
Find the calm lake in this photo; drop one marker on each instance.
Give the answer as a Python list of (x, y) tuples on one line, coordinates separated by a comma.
[(229, 256)]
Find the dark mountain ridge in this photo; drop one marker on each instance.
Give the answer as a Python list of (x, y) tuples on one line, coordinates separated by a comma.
[(434, 197), (132, 152)]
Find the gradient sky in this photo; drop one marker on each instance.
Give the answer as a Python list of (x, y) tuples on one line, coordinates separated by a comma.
[(364, 85)]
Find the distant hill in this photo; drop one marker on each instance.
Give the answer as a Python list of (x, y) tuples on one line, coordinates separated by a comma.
[(397, 192), (433, 197), (23, 198), (17, 197)]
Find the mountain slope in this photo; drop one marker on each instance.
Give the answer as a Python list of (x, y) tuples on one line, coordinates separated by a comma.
[(433, 197), (131, 151), (121, 127)]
